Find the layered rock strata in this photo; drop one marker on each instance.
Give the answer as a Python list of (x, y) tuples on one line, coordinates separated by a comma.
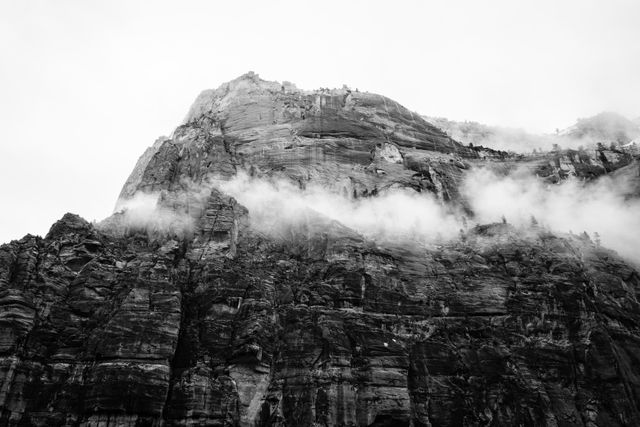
[(216, 323)]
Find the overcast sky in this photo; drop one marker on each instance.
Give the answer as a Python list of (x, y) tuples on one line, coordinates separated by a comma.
[(86, 86)]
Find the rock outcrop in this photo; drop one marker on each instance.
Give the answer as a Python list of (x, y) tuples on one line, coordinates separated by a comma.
[(558, 165), (352, 142), (216, 323)]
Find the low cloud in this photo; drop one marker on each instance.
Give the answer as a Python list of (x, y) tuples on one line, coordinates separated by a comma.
[(275, 205), (597, 207), (395, 214), (160, 213), (603, 128), (148, 213)]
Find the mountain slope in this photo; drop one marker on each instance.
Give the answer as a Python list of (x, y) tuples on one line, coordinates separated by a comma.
[(605, 127), (345, 140), (190, 314)]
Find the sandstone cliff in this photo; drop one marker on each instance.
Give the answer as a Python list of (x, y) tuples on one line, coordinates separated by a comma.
[(200, 319)]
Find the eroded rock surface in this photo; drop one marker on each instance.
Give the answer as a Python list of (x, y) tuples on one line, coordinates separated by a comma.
[(352, 142), (220, 324)]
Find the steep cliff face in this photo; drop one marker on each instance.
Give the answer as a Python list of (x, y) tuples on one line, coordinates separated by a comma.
[(200, 319), (352, 142)]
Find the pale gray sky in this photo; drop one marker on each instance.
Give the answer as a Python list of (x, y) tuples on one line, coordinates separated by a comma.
[(86, 86)]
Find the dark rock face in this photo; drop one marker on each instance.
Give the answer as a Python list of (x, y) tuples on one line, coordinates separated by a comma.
[(223, 325)]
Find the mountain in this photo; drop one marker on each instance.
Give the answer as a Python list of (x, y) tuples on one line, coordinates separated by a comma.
[(326, 137), (213, 296), (498, 138), (606, 127)]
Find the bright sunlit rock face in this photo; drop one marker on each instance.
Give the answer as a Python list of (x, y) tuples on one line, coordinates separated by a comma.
[(329, 257)]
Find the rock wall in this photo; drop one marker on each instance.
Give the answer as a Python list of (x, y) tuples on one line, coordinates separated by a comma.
[(352, 142), (221, 325), (330, 329)]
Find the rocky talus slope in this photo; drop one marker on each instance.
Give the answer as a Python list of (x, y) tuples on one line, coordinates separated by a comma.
[(214, 323)]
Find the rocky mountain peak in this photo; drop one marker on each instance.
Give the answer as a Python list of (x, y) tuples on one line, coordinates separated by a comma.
[(69, 224), (181, 310), (247, 85), (347, 141)]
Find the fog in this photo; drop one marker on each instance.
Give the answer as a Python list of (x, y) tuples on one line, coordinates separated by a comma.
[(160, 212), (521, 142), (147, 212), (394, 214), (496, 137), (605, 127), (571, 206), (601, 208)]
